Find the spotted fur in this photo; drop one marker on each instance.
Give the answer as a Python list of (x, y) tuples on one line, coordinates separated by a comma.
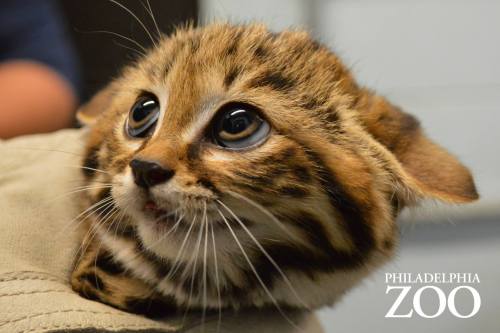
[(316, 202)]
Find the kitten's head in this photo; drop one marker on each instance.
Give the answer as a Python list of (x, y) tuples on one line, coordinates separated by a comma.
[(266, 142)]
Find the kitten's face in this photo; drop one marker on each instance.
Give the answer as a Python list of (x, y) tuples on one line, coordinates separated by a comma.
[(254, 138)]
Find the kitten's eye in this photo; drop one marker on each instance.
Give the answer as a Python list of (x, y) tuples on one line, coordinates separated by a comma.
[(142, 117), (239, 126)]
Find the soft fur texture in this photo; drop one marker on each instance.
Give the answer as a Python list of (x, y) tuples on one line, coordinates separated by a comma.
[(293, 222)]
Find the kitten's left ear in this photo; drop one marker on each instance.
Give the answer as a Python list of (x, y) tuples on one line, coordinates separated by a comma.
[(88, 113), (427, 168)]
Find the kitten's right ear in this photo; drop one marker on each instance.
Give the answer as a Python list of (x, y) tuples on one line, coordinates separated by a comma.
[(88, 113)]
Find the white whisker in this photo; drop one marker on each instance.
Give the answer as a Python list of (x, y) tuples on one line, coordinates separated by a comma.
[(136, 18), (86, 213), (219, 320), (78, 190), (266, 212), (86, 168), (266, 254), (181, 249), (252, 267), (150, 11), (194, 269), (203, 313), (50, 150), (142, 50)]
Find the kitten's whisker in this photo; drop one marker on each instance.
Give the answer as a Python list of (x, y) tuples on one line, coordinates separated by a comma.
[(194, 262), (205, 225), (136, 18), (99, 218), (100, 221), (93, 232), (271, 216), (217, 282), (89, 236), (150, 11), (87, 168), (162, 238), (254, 270), (87, 212), (142, 48), (181, 249), (78, 190), (123, 214), (114, 210), (122, 217), (49, 150), (139, 53), (174, 212), (266, 254)]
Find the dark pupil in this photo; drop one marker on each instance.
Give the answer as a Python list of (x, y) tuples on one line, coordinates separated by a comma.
[(237, 122), (143, 110)]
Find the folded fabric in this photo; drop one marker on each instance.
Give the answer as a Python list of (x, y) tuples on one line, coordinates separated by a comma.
[(39, 180)]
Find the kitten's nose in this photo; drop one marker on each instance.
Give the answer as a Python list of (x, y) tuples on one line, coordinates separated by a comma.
[(148, 174)]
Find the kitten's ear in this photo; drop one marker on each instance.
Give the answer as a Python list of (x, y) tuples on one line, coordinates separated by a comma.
[(88, 113), (427, 166)]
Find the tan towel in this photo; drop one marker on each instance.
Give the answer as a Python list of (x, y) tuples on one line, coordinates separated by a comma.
[(38, 241)]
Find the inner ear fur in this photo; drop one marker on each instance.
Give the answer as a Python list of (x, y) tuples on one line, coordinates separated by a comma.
[(434, 171), (88, 113)]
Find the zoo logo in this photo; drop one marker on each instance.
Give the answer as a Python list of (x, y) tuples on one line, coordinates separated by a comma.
[(443, 300)]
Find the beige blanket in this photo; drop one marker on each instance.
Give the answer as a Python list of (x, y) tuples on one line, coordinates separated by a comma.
[(38, 175)]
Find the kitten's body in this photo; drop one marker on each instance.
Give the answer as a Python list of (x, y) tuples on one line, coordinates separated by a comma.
[(295, 220)]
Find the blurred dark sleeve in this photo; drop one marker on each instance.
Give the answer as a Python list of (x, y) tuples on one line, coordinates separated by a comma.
[(34, 30)]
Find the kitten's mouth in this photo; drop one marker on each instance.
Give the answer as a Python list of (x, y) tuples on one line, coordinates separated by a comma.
[(151, 207), (160, 216)]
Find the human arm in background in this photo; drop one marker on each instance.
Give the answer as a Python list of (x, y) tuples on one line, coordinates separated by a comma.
[(33, 99), (38, 70)]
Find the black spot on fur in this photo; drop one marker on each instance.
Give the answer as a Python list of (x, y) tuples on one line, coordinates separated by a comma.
[(231, 75), (89, 294), (282, 157), (388, 244), (310, 103), (332, 116), (275, 80), (128, 232), (287, 154), (233, 47), (155, 307), (91, 162), (261, 52), (294, 191), (315, 45), (94, 280), (208, 184), (302, 173), (108, 264), (254, 180), (193, 151)]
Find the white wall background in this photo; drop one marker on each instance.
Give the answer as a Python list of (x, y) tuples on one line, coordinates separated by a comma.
[(439, 60)]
